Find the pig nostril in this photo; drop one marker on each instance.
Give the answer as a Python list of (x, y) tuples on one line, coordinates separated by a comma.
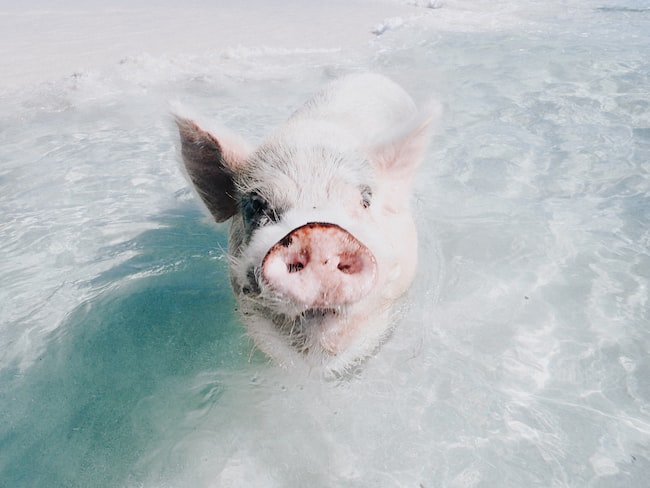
[(295, 267), (350, 264), (296, 261)]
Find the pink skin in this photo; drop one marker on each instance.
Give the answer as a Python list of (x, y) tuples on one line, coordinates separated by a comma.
[(320, 265)]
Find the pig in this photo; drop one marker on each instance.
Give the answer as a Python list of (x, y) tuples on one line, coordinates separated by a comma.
[(322, 241)]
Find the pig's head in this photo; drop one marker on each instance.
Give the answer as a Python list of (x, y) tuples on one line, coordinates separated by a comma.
[(322, 241)]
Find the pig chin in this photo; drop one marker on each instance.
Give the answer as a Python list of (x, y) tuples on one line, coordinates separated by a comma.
[(318, 335)]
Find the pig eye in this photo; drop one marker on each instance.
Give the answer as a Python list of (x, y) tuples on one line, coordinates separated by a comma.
[(256, 211), (366, 196)]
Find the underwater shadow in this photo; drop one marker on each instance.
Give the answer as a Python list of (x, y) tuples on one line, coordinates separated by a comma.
[(79, 415)]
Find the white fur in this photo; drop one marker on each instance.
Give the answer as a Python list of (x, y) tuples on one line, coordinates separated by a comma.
[(360, 130)]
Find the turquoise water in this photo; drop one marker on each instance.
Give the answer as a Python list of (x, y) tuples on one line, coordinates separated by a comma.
[(520, 357)]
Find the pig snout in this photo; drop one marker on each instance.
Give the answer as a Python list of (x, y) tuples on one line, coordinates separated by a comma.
[(320, 265)]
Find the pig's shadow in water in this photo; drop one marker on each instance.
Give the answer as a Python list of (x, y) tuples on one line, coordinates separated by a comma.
[(166, 315)]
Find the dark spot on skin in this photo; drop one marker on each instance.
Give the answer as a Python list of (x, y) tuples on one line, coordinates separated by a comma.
[(252, 287), (256, 211), (366, 196), (286, 241)]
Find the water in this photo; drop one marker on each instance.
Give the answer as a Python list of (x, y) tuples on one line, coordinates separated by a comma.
[(521, 357)]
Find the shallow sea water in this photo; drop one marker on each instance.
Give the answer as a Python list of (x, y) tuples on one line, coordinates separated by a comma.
[(520, 356)]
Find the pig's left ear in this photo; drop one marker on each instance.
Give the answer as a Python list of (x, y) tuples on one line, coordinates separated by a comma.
[(211, 164), (402, 153)]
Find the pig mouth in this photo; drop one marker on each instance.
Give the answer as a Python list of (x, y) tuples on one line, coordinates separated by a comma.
[(320, 316), (306, 331), (320, 313), (307, 321)]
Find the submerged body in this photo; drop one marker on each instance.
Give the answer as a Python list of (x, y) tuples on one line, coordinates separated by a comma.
[(322, 240)]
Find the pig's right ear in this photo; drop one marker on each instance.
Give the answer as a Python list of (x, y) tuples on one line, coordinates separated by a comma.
[(401, 152), (211, 165)]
